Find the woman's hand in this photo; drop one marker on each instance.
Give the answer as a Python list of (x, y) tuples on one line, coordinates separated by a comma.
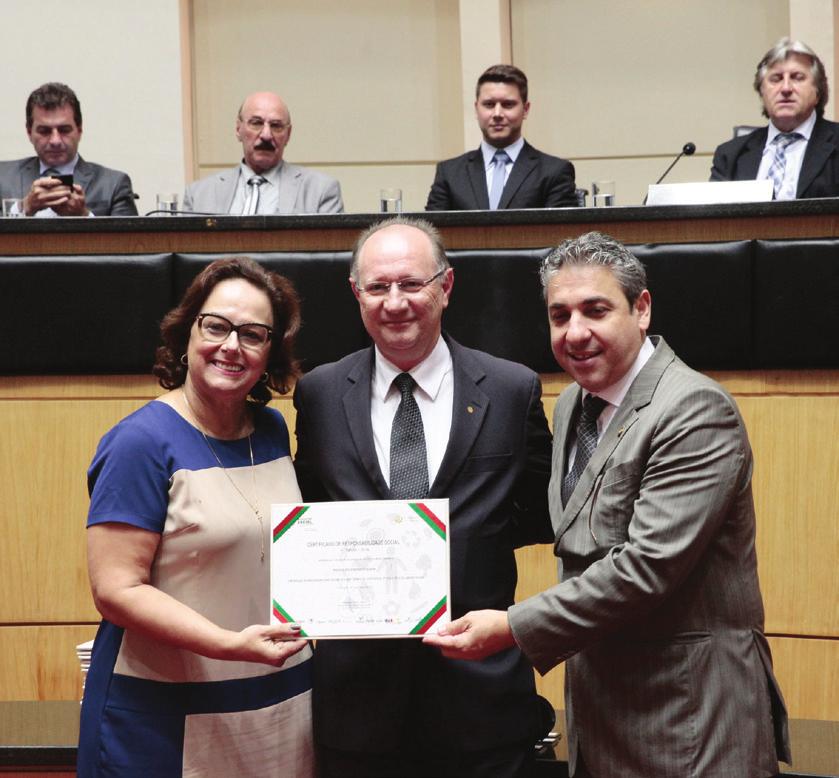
[(269, 644)]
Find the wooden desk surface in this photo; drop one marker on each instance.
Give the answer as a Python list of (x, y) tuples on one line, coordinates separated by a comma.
[(461, 229)]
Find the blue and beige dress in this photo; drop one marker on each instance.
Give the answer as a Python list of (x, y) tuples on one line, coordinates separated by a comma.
[(150, 709)]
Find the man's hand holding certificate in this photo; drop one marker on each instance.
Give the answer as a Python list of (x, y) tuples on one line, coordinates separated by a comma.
[(362, 568)]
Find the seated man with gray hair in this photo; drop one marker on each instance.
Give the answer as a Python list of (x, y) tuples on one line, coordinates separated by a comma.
[(799, 150)]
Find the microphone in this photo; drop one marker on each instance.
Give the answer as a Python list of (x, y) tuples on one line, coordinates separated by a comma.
[(687, 151)]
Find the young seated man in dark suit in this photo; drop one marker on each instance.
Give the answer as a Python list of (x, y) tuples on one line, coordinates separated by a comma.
[(505, 171)]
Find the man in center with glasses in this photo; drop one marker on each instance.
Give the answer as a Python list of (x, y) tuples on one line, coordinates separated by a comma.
[(264, 183), (419, 416)]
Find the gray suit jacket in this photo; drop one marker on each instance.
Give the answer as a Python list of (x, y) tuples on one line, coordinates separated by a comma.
[(659, 607), (107, 192), (372, 695), (301, 191)]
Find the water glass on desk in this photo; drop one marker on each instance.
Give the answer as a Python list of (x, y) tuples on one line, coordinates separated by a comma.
[(167, 203), (390, 201), (602, 194), (13, 207)]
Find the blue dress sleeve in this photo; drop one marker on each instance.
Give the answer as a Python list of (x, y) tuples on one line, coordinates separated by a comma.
[(129, 478)]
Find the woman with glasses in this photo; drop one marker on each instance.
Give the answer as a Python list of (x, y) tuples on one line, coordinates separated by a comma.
[(186, 678)]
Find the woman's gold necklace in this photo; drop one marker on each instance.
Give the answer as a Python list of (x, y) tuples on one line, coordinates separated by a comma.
[(229, 477)]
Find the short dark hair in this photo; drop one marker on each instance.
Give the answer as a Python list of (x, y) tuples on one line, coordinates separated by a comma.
[(782, 51), (504, 74), (285, 306), (50, 96), (437, 249), (594, 249)]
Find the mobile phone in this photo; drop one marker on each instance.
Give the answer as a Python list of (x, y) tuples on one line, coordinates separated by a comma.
[(66, 179)]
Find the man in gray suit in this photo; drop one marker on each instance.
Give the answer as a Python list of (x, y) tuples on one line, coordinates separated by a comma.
[(54, 126), (658, 614), (263, 183)]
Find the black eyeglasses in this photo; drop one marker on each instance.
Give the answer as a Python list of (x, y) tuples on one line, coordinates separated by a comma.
[(405, 285), (217, 329)]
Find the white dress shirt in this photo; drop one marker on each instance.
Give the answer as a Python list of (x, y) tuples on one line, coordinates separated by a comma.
[(434, 395), (794, 157)]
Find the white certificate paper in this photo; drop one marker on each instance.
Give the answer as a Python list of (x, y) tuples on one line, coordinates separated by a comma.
[(376, 568)]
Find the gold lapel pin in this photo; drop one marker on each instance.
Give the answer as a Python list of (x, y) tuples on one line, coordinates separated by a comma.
[(469, 409)]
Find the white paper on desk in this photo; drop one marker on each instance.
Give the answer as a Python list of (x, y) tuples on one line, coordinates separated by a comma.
[(710, 192), (377, 568)]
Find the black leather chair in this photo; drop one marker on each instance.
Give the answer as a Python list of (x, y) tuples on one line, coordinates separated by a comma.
[(73, 314)]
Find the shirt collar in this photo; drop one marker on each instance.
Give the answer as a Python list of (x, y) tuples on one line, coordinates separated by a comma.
[(63, 170), (513, 151), (805, 128), (428, 374), (272, 175), (616, 393)]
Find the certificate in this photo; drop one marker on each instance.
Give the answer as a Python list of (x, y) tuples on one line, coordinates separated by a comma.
[(377, 568)]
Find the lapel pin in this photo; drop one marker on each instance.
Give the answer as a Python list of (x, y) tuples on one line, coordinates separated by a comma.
[(621, 431), (469, 409)]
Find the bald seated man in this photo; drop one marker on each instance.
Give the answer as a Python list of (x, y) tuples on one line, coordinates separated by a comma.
[(263, 183)]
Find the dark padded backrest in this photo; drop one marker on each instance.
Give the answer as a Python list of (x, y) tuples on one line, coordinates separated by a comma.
[(797, 303), (83, 314), (497, 305), (702, 300), (720, 305), (332, 327)]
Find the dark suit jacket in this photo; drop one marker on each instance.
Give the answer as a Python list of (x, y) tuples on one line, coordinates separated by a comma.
[(739, 160), (107, 192), (537, 180), (659, 608), (370, 695)]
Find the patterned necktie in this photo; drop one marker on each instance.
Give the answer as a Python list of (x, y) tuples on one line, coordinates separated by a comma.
[(779, 162), (252, 203), (408, 462), (499, 173), (49, 173), (586, 443)]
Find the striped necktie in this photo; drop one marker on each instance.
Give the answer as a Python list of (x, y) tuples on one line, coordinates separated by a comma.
[(252, 203), (586, 443), (778, 167)]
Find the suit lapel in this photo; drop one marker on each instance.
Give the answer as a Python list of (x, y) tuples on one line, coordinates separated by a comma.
[(469, 409), (83, 176), (29, 171), (820, 148), (290, 177), (356, 403), (749, 161), (639, 395), (478, 180), (523, 167), (224, 189)]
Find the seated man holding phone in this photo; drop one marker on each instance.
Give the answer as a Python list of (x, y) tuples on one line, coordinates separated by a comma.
[(58, 182)]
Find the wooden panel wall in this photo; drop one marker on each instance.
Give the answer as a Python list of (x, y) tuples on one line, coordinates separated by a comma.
[(51, 426)]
